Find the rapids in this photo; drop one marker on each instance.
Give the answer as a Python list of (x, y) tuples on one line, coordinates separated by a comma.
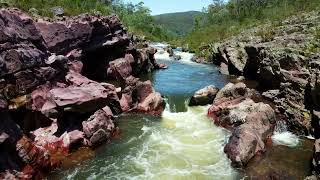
[(183, 143)]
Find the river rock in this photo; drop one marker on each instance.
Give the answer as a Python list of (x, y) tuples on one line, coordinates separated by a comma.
[(248, 139), (204, 96), (251, 123), (83, 98), (121, 68), (38, 159), (170, 51), (99, 127), (141, 97), (61, 39), (233, 91), (177, 57)]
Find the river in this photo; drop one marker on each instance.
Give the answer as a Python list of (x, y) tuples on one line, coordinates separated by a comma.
[(182, 144)]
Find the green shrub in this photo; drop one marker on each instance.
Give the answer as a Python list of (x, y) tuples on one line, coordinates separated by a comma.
[(267, 34)]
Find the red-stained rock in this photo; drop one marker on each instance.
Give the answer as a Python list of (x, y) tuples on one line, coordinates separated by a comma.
[(45, 137), (38, 159), (148, 100), (13, 175), (39, 97), (143, 90), (84, 98), (251, 123), (61, 38), (18, 26), (72, 138), (17, 59), (74, 78), (126, 101), (75, 66), (153, 104), (50, 98), (121, 68), (99, 127), (249, 138)]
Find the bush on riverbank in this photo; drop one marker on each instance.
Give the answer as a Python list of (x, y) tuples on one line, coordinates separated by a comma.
[(223, 20)]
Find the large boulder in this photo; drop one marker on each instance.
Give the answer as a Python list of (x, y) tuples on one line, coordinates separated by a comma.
[(99, 127), (121, 68), (204, 96), (141, 97), (82, 31), (148, 100), (86, 96), (251, 123), (17, 27), (249, 138), (233, 91)]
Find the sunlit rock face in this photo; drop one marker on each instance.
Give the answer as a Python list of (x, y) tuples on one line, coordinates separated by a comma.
[(53, 90), (251, 123)]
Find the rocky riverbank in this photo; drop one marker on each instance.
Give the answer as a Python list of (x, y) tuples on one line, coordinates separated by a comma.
[(62, 82), (284, 59)]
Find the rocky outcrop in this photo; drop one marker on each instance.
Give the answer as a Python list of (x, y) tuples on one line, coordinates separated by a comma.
[(251, 123), (53, 95), (204, 96), (140, 97), (284, 60), (281, 63), (99, 127)]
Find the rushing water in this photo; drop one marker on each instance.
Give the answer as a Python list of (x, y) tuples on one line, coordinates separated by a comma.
[(182, 144)]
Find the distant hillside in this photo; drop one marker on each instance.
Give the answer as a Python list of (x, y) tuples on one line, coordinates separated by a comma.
[(179, 23)]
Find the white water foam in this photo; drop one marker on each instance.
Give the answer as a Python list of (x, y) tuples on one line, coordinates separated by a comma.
[(161, 54), (283, 137), (186, 146), (286, 139)]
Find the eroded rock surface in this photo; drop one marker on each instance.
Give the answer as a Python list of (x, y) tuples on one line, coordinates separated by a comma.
[(204, 96), (53, 92), (251, 123)]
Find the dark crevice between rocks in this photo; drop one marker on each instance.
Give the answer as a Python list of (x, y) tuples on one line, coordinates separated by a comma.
[(96, 63), (252, 65)]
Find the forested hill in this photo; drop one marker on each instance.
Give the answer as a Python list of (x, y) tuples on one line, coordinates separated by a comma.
[(179, 23)]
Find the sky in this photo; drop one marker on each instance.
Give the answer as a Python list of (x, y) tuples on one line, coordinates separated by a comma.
[(168, 6)]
